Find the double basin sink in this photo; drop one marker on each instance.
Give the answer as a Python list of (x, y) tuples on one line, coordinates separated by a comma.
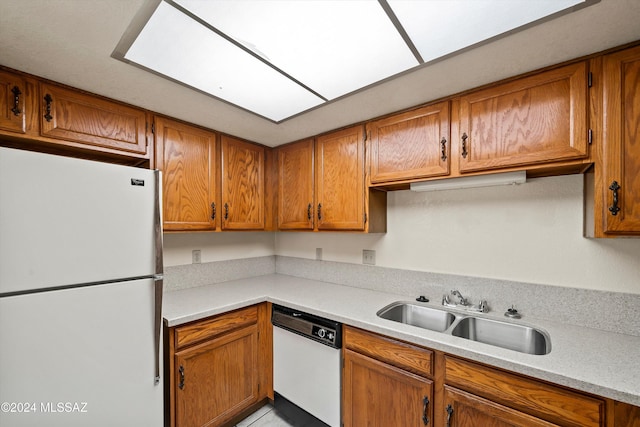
[(522, 338)]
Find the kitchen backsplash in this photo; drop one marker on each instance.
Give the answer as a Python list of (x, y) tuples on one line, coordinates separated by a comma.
[(609, 311)]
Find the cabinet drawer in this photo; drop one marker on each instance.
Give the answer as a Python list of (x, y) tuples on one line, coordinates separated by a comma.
[(554, 404), (207, 329), (397, 353)]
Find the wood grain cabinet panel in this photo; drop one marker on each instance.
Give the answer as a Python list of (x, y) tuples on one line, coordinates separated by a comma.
[(186, 155), (545, 401), (411, 145), (340, 186), (88, 120), (13, 92), (378, 394), (243, 189), (217, 379), (533, 120), (620, 187), (467, 410), (296, 207)]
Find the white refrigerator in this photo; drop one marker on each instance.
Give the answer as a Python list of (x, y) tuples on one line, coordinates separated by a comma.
[(80, 293)]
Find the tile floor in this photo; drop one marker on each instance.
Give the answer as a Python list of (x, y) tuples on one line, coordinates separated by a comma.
[(267, 416)]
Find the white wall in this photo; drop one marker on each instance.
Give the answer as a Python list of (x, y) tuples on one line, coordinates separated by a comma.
[(216, 246), (529, 233)]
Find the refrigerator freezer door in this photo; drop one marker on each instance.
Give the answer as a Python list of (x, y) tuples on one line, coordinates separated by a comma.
[(66, 221), (80, 357)]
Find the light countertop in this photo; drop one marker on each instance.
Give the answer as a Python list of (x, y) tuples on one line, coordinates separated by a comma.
[(594, 361)]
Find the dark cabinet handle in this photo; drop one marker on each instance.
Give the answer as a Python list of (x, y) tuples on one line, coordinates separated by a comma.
[(449, 413), (614, 208), (319, 211), (213, 211), (226, 211), (181, 371), (443, 143), (309, 212), (464, 145), (16, 101), (425, 406), (47, 107)]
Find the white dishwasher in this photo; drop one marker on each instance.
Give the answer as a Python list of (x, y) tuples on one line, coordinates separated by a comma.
[(307, 361)]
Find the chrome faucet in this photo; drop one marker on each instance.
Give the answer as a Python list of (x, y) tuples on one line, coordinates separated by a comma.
[(464, 303)]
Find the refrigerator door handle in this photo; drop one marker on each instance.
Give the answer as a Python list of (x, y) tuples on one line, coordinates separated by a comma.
[(158, 276), (157, 326)]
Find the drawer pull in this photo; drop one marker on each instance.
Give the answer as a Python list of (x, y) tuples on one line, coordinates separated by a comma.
[(425, 406), (614, 208), (449, 413), (181, 371), (47, 107), (464, 145), (443, 143), (16, 101)]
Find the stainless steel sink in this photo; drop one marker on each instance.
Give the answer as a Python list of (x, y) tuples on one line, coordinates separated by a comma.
[(512, 336), (418, 315)]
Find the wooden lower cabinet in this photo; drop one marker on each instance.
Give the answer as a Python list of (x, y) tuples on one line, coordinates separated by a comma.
[(219, 368), (379, 394), (388, 382), (467, 410)]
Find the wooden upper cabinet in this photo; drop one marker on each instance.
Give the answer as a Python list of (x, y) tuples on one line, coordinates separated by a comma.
[(620, 186), (91, 121), (295, 186), (186, 155), (12, 102), (537, 119), (243, 189), (340, 187), (412, 145)]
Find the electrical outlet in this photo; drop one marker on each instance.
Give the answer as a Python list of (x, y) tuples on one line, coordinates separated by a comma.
[(368, 257), (318, 254), (196, 256)]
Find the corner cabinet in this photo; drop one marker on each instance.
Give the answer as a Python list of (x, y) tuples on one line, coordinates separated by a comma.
[(373, 366), (296, 205), (617, 184), (411, 145), (219, 368), (186, 155), (243, 185), (534, 120), (342, 200), (13, 108)]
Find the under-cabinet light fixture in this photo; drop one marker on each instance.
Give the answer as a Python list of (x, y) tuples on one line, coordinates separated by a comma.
[(508, 178)]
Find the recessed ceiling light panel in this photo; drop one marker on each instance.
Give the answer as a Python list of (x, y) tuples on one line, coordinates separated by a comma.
[(182, 49)]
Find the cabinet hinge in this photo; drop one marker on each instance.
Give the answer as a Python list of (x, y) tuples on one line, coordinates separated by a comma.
[(366, 136), (590, 136), (365, 218), (153, 128), (590, 79)]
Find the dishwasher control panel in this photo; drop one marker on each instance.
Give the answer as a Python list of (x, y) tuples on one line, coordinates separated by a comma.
[(308, 325)]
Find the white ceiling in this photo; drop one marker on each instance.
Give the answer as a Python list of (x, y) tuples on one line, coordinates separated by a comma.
[(71, 41)]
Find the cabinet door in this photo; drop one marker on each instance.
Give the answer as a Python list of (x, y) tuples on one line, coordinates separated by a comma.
[(187, 157), (295, 186), (217, 379), (377, 394), (412, 145), (12, 105), (242, 185), (533, 120), (95, 122), (340, 180), (467, 410), (621, 145)]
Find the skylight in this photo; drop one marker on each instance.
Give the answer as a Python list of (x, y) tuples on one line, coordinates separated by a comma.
[(280, 58)]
